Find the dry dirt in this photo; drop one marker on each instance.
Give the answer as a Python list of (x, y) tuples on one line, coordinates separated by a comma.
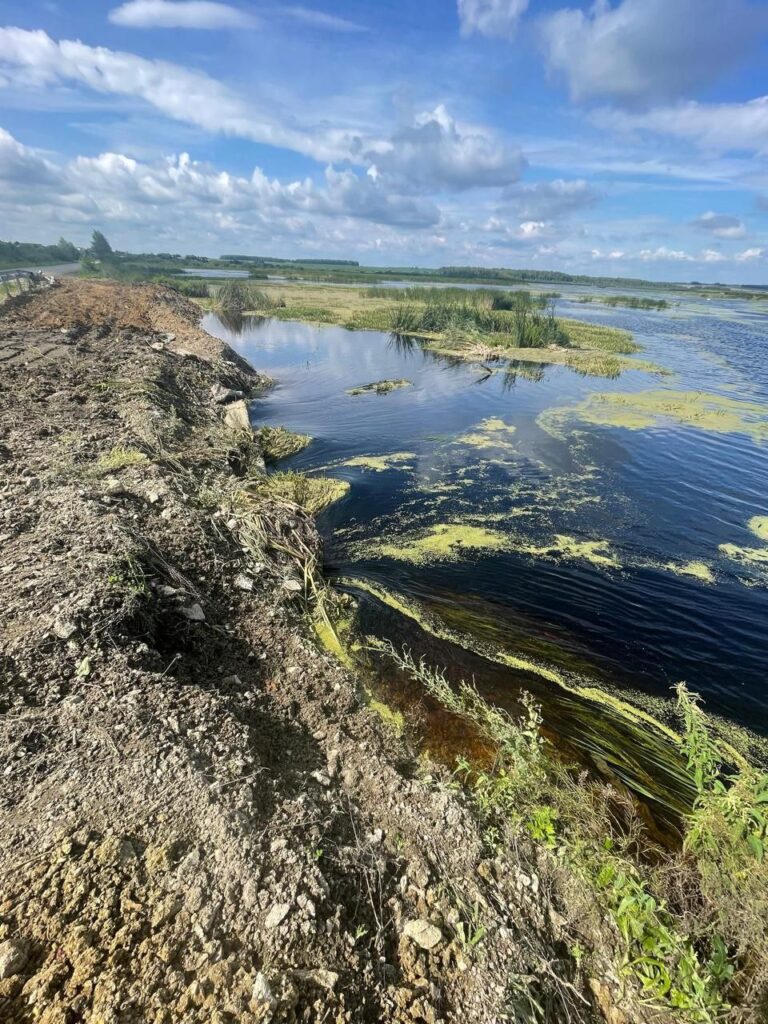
[(200, 819)]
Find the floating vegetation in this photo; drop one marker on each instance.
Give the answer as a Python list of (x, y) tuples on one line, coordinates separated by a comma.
[(644, 409), (489, 433), (631, 301), (698, 570), (279, 443), (754, 556), (442, 542), (380, 387), (598, 552), (380, 463), (313, 493)]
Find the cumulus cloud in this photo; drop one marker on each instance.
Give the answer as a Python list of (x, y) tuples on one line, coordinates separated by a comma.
[(649, 51), (437, 152), (718, 126), (123, 189), (752, 254), (490, 17), (550, 200), (198, 14), (720, 224)]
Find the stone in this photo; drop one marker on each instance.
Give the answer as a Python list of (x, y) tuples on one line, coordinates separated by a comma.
[(277, 915), (321, 977), (293, 586), (64, 628), (423, 933), (261, 995), (14, 954), (223, 396), (243, 582), (193, 612)]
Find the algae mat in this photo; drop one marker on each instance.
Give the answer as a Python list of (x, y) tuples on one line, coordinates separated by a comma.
[(642, 410)]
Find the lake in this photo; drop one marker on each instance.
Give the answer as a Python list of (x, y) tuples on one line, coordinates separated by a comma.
[(564, 554)]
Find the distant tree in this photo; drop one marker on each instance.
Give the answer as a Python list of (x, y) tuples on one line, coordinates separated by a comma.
[(67, 250), (100, 247)]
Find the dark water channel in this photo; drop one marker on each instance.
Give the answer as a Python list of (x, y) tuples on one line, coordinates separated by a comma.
[(660, 500)]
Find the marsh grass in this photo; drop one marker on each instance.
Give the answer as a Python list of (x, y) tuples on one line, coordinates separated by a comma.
[(687, 928), (521, 322), (312, 493), (279, 443), (630, 301)]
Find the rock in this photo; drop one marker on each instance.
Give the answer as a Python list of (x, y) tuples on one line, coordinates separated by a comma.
[(236, 416), (243, 582), (193, 612), (424, 934), (321, 977), (64, 628), (223, 396), (292, 586), (321, 778), (261, 996), (14, 954), (158, 346), (277, 915)]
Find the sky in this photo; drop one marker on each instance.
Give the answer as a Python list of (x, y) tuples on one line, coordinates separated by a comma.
[(616, 137)]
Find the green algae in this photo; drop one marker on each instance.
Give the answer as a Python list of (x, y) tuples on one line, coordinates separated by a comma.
[(645, 409), (698, 570), (751, 556), (598, 552), (380, 387), (380, 463), (759, 526), (442, 542), (489, 433)]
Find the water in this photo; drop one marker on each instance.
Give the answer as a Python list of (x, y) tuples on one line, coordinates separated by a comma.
[(215, 274), (657, 496)]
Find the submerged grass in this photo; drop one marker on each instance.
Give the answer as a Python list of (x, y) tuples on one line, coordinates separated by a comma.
[(380, 387), (687, 928)]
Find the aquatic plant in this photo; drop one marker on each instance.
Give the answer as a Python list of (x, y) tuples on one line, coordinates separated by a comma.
[(312, 493), (279, 443), (441, 542), (380, 463), (380, 387), (643, 409), (687, 947)]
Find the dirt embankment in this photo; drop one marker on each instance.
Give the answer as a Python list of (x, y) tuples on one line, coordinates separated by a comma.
[(200, 821)]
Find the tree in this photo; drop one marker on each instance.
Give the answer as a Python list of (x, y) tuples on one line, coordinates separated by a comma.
[(100, 247)]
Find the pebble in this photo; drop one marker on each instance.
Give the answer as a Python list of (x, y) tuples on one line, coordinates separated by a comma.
[(424, 934), (277, 915), (13, 956), (193, 612)]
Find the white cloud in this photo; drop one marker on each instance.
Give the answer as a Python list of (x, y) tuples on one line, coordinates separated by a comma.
[(720, 224), (490, 17), (437, 152), (319, 19), (663, 253), (752, 254), (198, 14), (120, 189), (433, 152), (646, 51), (719, 126)]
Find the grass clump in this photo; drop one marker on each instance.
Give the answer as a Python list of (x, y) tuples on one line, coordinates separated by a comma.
[(312, 493), (119, 457), (237, 297), (630, 301), (686, 928), (279, 443)]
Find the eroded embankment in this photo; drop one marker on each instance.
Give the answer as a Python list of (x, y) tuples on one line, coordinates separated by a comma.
[(201, 821)]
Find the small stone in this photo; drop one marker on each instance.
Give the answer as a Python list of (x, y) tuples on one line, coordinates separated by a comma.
[(321, 778), (13, 955), (193, 612), (424, 934), (64, 628), (261, 996), (158, 346), (243, 582), (293, 586), (321, 977), (277, 915)]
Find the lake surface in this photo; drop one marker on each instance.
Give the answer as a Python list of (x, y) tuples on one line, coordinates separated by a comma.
[(658, 499)]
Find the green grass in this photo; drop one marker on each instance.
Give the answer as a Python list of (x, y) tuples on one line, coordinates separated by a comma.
[(687, 927), (631, 301), (279, 443), (312, 493)]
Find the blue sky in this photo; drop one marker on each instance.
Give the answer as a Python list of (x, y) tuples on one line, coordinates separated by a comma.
[(622, 137)]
